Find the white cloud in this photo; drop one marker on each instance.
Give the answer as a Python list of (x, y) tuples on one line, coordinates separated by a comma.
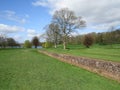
[(10, 29), (20, 34), (106, 26), (31, 33), (51, 4), (102, 13), (40, 3), (11, 15), (18, 38)]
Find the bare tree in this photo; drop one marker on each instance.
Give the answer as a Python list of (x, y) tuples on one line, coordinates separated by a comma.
[(53, 33), (3, 40), (68, 22)]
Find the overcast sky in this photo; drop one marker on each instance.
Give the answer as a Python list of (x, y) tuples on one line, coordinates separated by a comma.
[(23, 19)]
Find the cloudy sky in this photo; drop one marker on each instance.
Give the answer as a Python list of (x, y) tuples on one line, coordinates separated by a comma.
[(23, 19)]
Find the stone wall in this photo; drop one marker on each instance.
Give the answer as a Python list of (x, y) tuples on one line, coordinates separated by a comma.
[(105, 68)]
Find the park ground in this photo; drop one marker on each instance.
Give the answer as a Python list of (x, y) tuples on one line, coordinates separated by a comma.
[(27, 69)]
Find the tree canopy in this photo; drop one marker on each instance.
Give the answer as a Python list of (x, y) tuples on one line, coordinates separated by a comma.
[(35, 41)]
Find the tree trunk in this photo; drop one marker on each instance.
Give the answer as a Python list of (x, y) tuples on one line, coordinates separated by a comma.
[(64, 42), (64, 45), (35, 46), (55, 45)]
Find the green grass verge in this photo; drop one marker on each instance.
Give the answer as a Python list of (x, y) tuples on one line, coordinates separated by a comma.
[(26, 69), (104, 52)]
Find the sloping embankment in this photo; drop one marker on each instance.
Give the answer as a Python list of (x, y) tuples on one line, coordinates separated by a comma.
[(105, 68)]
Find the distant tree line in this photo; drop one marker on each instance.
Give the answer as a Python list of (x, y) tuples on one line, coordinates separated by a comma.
[(7, 42), (104, 38), (112, 37)]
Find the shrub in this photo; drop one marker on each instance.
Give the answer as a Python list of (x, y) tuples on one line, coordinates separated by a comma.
[(88, 40), (27, 44), (47, 45)]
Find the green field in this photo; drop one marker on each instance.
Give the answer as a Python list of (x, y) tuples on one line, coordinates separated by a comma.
[(26, 69), (104, 52)]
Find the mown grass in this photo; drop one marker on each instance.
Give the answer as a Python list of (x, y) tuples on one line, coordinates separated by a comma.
[(104, 52), (26, 69)]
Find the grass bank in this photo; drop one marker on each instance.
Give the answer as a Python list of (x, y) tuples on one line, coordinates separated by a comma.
[(104, 52)]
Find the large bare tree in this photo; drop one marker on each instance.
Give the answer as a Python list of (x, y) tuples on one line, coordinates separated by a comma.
[(68, 22)]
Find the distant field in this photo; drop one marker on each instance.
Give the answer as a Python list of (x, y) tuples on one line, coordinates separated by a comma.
[(26, 69), (105, 52)]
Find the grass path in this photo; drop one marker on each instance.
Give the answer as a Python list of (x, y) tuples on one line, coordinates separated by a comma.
[(26, 69)]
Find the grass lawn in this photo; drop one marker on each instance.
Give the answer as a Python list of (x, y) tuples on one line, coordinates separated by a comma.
[(26, 69), (104, 52)]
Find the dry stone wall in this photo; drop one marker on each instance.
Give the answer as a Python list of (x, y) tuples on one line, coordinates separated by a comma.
[(105, 68)]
